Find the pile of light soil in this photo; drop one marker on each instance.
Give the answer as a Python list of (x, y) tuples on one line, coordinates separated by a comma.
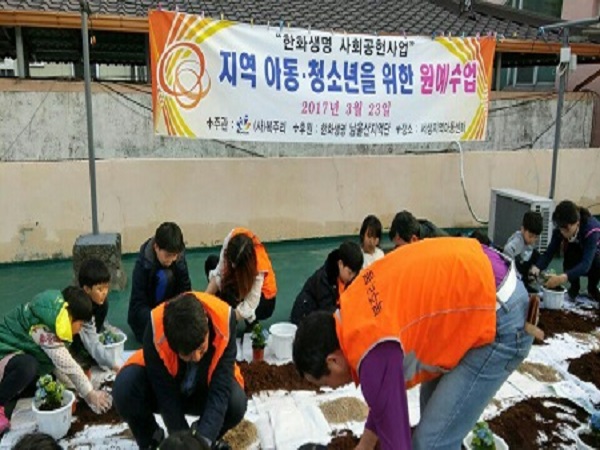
[(536, 423), (587, 368), (242, 436), (260, 376), (345, 409), (540, 372)]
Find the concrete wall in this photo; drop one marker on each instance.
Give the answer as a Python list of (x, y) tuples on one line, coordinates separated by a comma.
[(45, 121), (584, 9), (46, 205), (580, 9)]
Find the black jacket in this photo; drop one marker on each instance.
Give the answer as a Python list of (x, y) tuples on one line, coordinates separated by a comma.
[(428, 230), (210, 401), (144, 280), (320, 292)]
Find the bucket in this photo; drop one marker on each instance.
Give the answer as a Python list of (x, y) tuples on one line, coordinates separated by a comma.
[(57, 422), (115, 350), (553, 299), (282, 338)]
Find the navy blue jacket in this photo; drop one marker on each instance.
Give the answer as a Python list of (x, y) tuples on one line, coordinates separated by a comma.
[(320, 292), (144, 281), (588, 237)]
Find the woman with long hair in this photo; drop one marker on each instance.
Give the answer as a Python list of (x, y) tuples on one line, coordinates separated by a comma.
[(243, 276)]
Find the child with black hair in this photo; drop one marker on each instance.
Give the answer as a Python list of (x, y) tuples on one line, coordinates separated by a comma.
[(94, 279), (321, 292), (370, 236), (37, 441), (160, 273), (521, 245), (33, 342)]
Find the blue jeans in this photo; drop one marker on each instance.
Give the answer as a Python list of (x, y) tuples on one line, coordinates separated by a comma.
[(452, 403)]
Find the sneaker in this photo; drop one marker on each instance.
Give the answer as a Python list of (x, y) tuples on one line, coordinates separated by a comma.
[(594, 294), (221, 445), (572, 294), (4, 422)]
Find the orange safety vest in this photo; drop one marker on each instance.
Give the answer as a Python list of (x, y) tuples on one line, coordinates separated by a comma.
[(436, 297), (269, 287), (219, 313), (341, 288)]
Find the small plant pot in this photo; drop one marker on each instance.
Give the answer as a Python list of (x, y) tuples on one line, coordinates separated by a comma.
[(258, 354), (584, 439), (57, 422), (116, 349), (498, 441)]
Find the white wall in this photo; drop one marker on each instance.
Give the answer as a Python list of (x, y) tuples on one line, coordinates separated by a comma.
[(46, 205)]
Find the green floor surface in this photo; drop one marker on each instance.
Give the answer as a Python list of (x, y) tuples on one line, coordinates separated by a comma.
[(293, 262)]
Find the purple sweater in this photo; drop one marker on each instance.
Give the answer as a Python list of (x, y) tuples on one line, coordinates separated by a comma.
[(382, 382)]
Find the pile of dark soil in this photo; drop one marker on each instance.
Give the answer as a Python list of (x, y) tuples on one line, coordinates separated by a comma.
[(344, 440), (587, 368), (555, 322), (84, 416), (539, 423), (260, 376)]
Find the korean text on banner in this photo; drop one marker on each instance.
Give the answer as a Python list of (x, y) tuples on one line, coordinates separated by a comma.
[(215, 79)]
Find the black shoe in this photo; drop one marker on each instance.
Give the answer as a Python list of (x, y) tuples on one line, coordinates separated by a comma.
[(221, 445), (157, 437), (594, 294), (573, 293)]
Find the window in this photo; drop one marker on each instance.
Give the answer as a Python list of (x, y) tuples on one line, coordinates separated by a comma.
[(541, 76), (7, 73), (546, 7)]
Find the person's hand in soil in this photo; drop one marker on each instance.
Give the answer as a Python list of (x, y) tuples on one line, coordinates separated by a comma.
[(99, 401), (554, 281)]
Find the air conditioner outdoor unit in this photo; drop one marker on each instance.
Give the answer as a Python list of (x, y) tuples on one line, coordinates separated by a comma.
[(507, 207)]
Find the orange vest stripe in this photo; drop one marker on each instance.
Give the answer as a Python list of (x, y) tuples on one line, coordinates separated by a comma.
[(269, 288), (436, 297), (219, 314)]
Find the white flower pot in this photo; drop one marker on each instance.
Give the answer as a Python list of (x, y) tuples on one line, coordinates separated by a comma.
[(580, 445), (56, 423), (282, 338), (116, 349), (552, 299), (500, 443)]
